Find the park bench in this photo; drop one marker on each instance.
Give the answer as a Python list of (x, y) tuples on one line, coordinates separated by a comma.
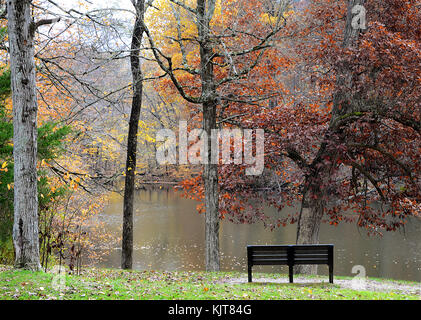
[(290, 255)]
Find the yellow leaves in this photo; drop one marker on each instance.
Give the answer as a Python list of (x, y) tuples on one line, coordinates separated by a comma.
[(270, 19), (44, 163), (146, 132), (74, 185), (8, 106), (267, 18), (289, 13), (167, 21), (4, 167)]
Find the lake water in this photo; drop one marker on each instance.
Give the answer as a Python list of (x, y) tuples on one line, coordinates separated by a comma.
[(169, 235)]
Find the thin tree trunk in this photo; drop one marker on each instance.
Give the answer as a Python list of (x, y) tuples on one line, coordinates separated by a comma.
[(127, 240), (210, 171), (210, 179), (22, 64)]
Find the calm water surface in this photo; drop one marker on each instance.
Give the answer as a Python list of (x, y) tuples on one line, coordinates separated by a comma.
[(169, 235)]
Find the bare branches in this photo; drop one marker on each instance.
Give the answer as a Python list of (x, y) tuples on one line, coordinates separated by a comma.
[(35, 25), (385, 153), (45, 21), (184, 6), (369, 177), (206, 37), (168, 69)]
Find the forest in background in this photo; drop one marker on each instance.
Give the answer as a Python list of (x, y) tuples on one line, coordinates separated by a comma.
[(340, 107)]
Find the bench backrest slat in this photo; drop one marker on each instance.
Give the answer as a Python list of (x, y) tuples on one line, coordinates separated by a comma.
[(269, 248)]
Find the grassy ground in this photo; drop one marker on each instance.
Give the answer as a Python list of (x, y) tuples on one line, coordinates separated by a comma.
[(101, 284)]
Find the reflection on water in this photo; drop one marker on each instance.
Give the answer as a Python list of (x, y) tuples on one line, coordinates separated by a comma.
[(169, 235)]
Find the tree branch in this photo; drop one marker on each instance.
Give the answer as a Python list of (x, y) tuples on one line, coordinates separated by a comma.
[(35, 25)]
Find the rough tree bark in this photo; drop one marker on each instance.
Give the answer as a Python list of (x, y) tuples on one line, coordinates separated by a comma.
[(22, 65), (205, 10), (129, 187), (309, 226), (210, 177), (310, 218)]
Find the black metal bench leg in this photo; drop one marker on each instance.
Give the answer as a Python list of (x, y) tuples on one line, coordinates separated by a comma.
[(291, 274), (330, 253), (249, 273), (331, 273)]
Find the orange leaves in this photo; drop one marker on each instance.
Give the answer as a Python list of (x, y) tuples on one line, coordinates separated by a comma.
[(200, 208)]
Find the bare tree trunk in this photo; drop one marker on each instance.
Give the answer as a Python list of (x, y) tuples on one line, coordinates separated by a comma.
[(210, 44), (25, 227), (127, 240), (308, 230), (210, 172), (310, 218), (210, 179)]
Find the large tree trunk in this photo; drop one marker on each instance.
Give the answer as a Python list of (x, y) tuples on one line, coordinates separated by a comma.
[(308, 230), (25, 226), (210, 172), (311, 217), (129, 187)]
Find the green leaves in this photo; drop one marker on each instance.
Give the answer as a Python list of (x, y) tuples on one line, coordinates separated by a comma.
[(50, 140), (50, 145), (4, 81)]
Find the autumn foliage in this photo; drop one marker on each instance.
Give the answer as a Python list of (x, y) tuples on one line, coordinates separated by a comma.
[(371, 154)]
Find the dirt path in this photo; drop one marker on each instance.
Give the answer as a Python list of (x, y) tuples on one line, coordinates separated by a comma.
[(356, 284)]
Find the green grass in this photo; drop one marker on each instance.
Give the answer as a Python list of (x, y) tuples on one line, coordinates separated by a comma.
[(99, 284)]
